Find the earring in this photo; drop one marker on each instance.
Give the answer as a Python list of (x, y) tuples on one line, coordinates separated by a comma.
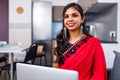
[(81, 30), (65, 32), (81, 27)]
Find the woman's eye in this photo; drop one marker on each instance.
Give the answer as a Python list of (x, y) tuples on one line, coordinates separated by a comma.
[(66, 16), (74, 15)]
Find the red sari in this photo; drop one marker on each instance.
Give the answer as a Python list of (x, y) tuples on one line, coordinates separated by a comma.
[(88, 60)]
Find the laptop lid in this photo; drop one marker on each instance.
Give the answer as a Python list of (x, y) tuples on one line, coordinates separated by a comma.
[(34, 72)]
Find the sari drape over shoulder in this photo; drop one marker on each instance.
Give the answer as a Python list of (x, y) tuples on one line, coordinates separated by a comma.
[(88, 60)]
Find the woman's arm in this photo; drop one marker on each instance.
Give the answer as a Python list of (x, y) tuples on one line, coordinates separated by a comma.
[(55, 63)]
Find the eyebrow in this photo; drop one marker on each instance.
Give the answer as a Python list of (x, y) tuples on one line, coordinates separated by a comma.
[(71, 14)]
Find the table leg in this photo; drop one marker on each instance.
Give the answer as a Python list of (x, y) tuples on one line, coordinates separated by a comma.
[(11, 66)]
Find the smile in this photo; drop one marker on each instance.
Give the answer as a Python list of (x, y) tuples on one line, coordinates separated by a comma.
[(70, 24)]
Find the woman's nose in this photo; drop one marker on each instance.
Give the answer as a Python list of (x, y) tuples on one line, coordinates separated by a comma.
[(70, 18)]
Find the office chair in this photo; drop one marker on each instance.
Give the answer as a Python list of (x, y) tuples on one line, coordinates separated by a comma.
[(41, 52), (29, 58)]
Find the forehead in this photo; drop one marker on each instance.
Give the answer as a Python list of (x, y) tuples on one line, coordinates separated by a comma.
[(71, 10)]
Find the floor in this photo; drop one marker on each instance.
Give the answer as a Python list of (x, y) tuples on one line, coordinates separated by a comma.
[(4, 76)]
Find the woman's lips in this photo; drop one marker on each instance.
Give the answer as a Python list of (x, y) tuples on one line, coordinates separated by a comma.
[(70, 24)]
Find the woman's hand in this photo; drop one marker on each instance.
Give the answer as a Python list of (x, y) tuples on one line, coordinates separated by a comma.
[(55, 63)]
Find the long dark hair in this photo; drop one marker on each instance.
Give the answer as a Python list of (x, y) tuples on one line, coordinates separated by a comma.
[(61, 38)]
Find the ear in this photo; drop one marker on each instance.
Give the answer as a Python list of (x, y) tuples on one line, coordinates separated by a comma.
[(83, 19)]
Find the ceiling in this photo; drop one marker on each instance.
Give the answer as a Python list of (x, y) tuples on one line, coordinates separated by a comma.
[(58, 2), (97, 8)]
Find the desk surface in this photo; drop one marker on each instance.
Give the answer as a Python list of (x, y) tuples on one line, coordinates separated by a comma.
[(10, 48)]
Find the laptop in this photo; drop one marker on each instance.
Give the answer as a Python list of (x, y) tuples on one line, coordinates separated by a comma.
[(35, 72)]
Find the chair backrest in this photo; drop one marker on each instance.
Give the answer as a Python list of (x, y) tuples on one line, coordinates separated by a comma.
[(41, 48), (31, 52), (115, 71)]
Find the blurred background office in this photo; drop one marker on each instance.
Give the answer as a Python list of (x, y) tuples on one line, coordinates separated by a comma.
[(19, 21)]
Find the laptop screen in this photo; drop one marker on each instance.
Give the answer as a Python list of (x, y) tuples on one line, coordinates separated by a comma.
[(34, 72)]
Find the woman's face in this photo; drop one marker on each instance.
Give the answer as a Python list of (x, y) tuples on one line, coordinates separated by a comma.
[(72, 19)]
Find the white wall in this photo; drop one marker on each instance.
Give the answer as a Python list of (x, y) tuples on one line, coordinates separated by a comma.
[(59, 2), (20, 24)]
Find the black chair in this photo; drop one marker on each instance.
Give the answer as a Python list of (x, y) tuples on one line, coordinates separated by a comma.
[(30, 56), (31, 53), (41, 51)]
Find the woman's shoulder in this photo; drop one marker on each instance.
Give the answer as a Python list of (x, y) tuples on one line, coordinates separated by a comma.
[(93, 39)]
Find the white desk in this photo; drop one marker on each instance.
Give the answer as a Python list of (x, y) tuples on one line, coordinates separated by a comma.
[(11, 49)]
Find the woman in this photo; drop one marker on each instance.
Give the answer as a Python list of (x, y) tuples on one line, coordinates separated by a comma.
[(76, 49)]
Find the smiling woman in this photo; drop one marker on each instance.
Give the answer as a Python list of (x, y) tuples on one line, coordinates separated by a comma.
[(76, 49)]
